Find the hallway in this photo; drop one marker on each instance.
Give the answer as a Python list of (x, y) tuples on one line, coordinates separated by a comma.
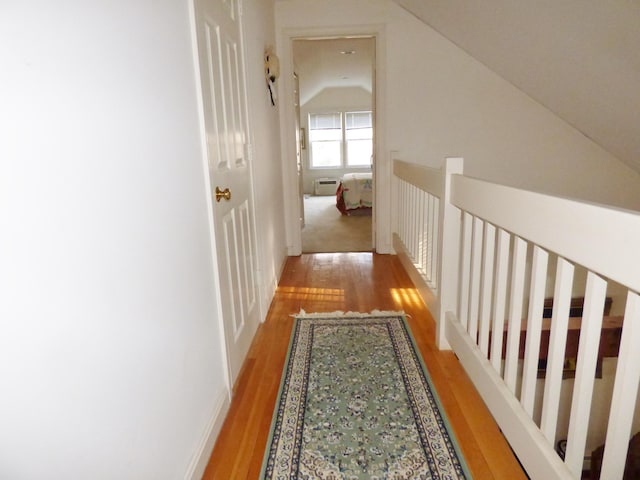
[(349, 282)]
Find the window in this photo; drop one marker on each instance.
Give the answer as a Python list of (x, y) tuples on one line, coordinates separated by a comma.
[(335, 143), (359, 137), (325, 137)]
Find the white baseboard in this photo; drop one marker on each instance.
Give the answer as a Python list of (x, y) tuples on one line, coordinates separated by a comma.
[(203, 452), (270, 288), (283, 263)]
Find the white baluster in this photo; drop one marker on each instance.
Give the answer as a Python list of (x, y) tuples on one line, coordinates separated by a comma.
[(476, 272), (590, 332), (465, 270), (625, 390), (499, 299), (534, 328), (488, 253), (557, 344), (435, 251), (518, 268)]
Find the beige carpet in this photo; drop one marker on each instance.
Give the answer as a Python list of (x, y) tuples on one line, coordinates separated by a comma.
[(327, 230)]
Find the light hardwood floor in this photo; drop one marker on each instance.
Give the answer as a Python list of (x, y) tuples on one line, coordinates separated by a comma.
[(350, 282)]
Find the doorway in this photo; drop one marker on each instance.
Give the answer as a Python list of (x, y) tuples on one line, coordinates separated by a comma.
[(335, 122)]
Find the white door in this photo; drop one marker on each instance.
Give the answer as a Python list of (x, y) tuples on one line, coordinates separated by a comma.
[(221, 59)]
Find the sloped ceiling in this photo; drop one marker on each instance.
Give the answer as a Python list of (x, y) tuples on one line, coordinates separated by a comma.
[(578, 58), (333, 63)]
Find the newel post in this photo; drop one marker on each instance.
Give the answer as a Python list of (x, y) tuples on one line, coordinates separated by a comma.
[(449, 219)]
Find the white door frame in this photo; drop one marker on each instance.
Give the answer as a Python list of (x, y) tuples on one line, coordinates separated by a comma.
[(381, 164)]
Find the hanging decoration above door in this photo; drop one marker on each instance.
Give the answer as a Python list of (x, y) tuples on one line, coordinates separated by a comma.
[(272, 72)]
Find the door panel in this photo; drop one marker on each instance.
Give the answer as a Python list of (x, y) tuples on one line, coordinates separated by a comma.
[(249, 298), (224, 97)]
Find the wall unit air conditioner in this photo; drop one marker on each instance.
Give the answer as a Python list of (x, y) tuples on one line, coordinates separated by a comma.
[(325, 186)]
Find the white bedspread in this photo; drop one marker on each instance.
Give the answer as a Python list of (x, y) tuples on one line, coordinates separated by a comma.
[(358, 190)]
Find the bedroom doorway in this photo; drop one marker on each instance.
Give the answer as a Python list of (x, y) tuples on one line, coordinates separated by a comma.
[(335, 110)]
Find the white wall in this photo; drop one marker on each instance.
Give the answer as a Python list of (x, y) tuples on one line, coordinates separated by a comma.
[(441, 102), (329, 99), (110, 349), (578, 58), (459, 107), (267, 165)]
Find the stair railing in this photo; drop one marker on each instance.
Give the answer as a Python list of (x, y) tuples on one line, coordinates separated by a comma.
[(480, 255)]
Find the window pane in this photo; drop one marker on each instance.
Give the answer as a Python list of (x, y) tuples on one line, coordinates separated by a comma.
[(325, 138), (359, 152), (359, 137), (325, 134), (358, 120), (359, 134), (325, 154), (325, 120)]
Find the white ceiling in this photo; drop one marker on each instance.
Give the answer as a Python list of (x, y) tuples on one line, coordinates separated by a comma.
[(320, 64), (578, 58)]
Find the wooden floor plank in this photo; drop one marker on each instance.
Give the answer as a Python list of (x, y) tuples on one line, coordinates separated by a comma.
[(350, 282)]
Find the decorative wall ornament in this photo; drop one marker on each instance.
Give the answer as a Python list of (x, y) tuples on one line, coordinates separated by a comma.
[(272, 72)]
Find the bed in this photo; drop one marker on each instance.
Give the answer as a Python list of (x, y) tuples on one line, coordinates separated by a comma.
[(355, 193)]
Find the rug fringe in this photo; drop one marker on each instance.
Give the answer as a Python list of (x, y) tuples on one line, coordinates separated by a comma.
[(340, 313)]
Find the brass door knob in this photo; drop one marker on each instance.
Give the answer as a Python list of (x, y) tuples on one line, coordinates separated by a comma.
[(226, 194)]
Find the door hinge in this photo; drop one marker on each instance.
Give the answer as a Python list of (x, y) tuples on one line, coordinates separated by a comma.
[(250, 152)]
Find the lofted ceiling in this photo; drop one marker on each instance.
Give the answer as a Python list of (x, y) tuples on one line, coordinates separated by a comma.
[(578, 58), (333, 63)]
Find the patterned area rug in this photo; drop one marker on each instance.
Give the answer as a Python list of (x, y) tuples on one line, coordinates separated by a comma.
[(356, 403)]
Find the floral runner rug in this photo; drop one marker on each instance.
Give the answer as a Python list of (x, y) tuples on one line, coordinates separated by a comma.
[(356, 402)]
